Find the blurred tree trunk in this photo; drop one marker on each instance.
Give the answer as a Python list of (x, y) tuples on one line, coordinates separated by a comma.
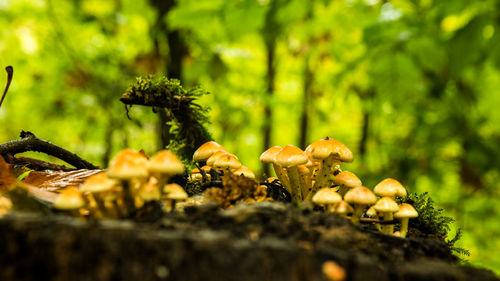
[(270, 34), (306, 103), (173, 59)]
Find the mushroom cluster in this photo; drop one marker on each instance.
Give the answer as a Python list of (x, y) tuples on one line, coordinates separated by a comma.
[(315, 174), (130, 181)]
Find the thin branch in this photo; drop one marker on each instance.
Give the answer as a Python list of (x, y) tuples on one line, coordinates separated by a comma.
[(36, 164), (10, 74), (29, 142)]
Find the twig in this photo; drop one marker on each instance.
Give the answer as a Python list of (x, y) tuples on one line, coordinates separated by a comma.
[(29, 142), (10, 74), (36, 164)]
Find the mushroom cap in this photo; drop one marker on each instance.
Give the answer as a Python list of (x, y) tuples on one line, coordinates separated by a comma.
[(97, 183), (244, 171), (371, 212), (360, 195), (291, 156), (210, 161), (206, 150), (348, 179), (69, 199), (150, 191), (175, 192), (343, 208), (324, 148), (406, 211), (165, 162), (385, 205), (128, 164), (269, 155), (227, 161), (389, 187), (326, 195)]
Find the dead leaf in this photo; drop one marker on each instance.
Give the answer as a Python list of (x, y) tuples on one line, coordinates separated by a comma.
[(6, 178), (58, 180)]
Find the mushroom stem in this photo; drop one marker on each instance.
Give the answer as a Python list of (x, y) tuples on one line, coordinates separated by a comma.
[(296, 190), (305, 183), (100, 205), (128, 198), (358, 211), (322, 177), (280, 173), (388, 228), (404, 227), (343, 190)]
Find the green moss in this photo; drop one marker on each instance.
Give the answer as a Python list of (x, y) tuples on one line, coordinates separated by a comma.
[(186, 118)]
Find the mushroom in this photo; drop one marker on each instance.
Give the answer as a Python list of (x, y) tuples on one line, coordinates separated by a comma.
[(343, 208), (373, 214), (331, 152), (227, 161), (386, 206), (360, 197), (289, 158), (71, 200), (346, 180), (150, 191), (244, 171), (128, 164), (206, 150), (389, 187), (174, 192), (405, 212), (95, 186), (163, 165), (5, 205), (333, 271), (211, 160), (327, 197), (269, 156)]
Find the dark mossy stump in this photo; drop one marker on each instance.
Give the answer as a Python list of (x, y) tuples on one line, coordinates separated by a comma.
[(265, 241)]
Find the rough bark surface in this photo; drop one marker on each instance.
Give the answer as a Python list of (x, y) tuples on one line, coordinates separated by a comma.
[(265, 241)]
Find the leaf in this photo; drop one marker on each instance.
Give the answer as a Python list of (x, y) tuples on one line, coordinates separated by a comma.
[(58, 180), (6, 177)]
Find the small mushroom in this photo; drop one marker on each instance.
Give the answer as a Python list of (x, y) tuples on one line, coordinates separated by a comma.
[(227, 161), (163, 165), (289, 158), (333, 271), (173, 193), (389, 187), (386, 206), (127, 165), (150, 191), (327, 197), (71, 200), (373, 214), (96, 186), (269, 156), (346, 180), (206, 150), (360, 197), (244, 171), (5, 205), (211, 160), (406, 211), (343, 209)]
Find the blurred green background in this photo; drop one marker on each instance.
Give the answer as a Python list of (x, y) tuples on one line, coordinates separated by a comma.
[(412, 87)]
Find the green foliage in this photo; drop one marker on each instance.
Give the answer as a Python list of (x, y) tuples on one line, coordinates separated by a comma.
[(457, 250), (430, 219)]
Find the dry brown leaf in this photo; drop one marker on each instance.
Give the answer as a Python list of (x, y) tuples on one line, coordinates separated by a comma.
[(6, 177), (58, 180)]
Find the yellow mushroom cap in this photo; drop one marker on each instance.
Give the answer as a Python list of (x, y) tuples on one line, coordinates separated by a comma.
[(360, 195), (324, 148), (389, 187), (326, 195), (175, 192), (98, 183), (348, 179), (206, 150), (269, 155), (371, 212), (165, 162), (343, 208), (69, 199), (291, 156), (244, 171), (150, 191), (385, 205), (128, 164), (227, 161), (211, 160), (406, 211)]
